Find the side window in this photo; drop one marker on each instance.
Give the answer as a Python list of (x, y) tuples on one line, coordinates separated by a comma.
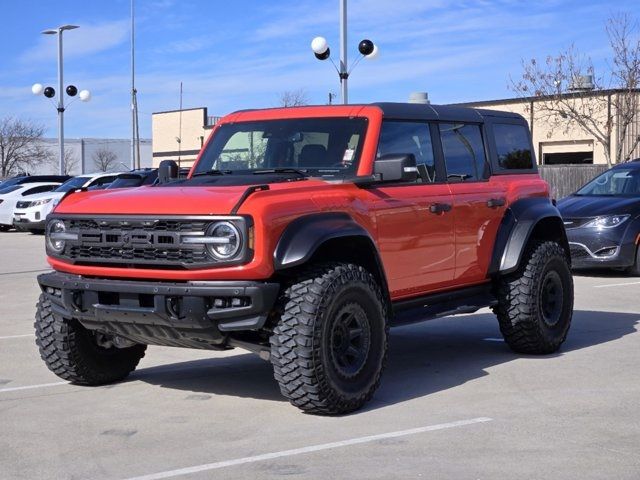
[(102, 180), (463, 151), (42, 189), (409, 138), (513, 146)]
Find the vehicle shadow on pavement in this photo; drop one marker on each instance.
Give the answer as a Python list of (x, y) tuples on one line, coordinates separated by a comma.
[(423, 359)]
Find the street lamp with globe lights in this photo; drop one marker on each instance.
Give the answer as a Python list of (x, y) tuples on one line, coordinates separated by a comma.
[(321, 50), (50, 92)]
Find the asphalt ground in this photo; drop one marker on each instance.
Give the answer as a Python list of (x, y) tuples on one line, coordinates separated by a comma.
[(454, 403)]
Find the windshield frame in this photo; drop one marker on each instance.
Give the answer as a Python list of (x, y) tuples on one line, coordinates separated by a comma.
[(328, 173)]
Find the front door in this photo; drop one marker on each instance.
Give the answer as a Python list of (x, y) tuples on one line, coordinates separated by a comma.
[(414, 221)]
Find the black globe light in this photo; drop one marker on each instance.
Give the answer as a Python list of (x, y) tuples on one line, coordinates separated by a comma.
[(72, 90), (49, 92), (366, 47)]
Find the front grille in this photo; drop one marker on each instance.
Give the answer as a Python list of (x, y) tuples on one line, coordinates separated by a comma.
[(576, 222), (23, 204), (140, 242)]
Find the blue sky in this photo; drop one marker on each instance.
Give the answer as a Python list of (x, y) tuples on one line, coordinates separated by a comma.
[(243, 53)]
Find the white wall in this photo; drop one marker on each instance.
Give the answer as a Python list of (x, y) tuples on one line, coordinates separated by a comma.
[(85, 149)]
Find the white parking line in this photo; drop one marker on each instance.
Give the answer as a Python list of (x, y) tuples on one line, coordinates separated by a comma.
[(17, 336), (303, 450), (31, 387), (616, 285)]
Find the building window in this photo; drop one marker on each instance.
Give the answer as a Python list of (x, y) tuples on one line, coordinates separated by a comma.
[(568, 158)]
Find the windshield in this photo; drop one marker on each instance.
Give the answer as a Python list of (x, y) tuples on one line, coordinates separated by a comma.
[(69, 185), (614, 182), (12, 188), (318, 146)]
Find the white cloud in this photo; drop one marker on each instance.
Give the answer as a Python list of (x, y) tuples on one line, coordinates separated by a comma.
[(86, 40)]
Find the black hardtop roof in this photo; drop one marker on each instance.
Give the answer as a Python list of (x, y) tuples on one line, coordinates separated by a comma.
[(427, 111)]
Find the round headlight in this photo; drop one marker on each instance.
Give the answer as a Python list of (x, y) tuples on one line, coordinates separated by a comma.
[(54, 227), (225, 240)]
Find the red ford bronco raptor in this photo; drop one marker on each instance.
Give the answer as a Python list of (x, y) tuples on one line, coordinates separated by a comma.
[(303, 234)]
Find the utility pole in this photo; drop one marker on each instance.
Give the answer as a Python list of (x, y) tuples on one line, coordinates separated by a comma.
[(344, 72)]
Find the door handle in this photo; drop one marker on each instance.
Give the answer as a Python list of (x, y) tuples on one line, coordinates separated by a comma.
[(438, 208), (496, 202)]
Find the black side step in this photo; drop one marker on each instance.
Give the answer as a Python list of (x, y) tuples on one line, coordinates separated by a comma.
[(428, 307)]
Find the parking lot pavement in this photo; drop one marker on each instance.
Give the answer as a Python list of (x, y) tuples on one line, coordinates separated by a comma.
[(454, 403)]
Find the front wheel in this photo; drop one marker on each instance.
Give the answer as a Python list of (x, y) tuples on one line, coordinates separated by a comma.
[(635, 268), (535, 305), (79, 355), (329, 346)]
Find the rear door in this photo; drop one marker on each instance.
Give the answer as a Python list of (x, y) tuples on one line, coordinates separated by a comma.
[(479, 201), (414, 221)]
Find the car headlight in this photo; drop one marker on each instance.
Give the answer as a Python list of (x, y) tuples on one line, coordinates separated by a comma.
[(223, 240), (610, 221), (56, 235), (37, 203)]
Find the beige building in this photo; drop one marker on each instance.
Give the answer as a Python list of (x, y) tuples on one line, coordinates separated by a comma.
[(560, 140), (179, 135)]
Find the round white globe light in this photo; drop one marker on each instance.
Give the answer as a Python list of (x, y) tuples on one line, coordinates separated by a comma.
[(85, 95), (319, 45), (37, 89), (375, 54)]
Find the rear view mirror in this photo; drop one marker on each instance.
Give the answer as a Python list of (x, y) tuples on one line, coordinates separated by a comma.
[(396, 168)]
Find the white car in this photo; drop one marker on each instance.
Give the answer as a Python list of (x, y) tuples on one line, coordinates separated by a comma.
[(13, 194), (30, 214)]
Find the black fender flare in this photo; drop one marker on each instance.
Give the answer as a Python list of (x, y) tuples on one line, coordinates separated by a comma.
[(303, 236), (515, 230)]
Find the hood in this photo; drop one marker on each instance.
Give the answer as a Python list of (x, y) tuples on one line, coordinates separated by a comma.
[(154, 201), (594, 206)]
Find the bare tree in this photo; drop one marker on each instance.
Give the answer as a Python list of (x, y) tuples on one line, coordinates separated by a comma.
[(20, 146), (104, 159), (71, 161), (293, 98), (565, 103)]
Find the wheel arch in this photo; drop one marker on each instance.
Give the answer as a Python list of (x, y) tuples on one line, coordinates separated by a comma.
[(525, 220), (331, 236)]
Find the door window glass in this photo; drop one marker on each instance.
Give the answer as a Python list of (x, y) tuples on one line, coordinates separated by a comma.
[(463, 152), (414, 138)]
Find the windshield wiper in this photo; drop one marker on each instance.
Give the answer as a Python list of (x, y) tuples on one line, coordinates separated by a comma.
[(302, 173), (211, 172)]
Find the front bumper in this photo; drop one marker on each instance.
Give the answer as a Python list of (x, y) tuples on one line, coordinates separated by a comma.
[(32, 218), (189, 314), (609, 249)]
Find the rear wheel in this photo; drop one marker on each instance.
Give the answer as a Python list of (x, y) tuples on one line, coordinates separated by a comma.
[(330, 344), (79, 355), (535, 305)]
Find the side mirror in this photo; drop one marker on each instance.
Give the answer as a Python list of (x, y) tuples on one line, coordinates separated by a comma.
[(396, 167), (168, 171)]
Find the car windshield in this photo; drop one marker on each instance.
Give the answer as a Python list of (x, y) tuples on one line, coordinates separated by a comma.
[(614, 182), (71, 184), (327, 147)]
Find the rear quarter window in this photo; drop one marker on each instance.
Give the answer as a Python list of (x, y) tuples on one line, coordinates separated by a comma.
[(513, 146)]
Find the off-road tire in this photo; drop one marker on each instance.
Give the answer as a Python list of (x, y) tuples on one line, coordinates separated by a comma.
[(70, 351), (523, 315), (306, 352)]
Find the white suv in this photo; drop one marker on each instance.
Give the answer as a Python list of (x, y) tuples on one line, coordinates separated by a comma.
[(30, 214)]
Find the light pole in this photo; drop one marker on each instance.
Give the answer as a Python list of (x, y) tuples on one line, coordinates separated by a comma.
[(50, 92), (322, 51)]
